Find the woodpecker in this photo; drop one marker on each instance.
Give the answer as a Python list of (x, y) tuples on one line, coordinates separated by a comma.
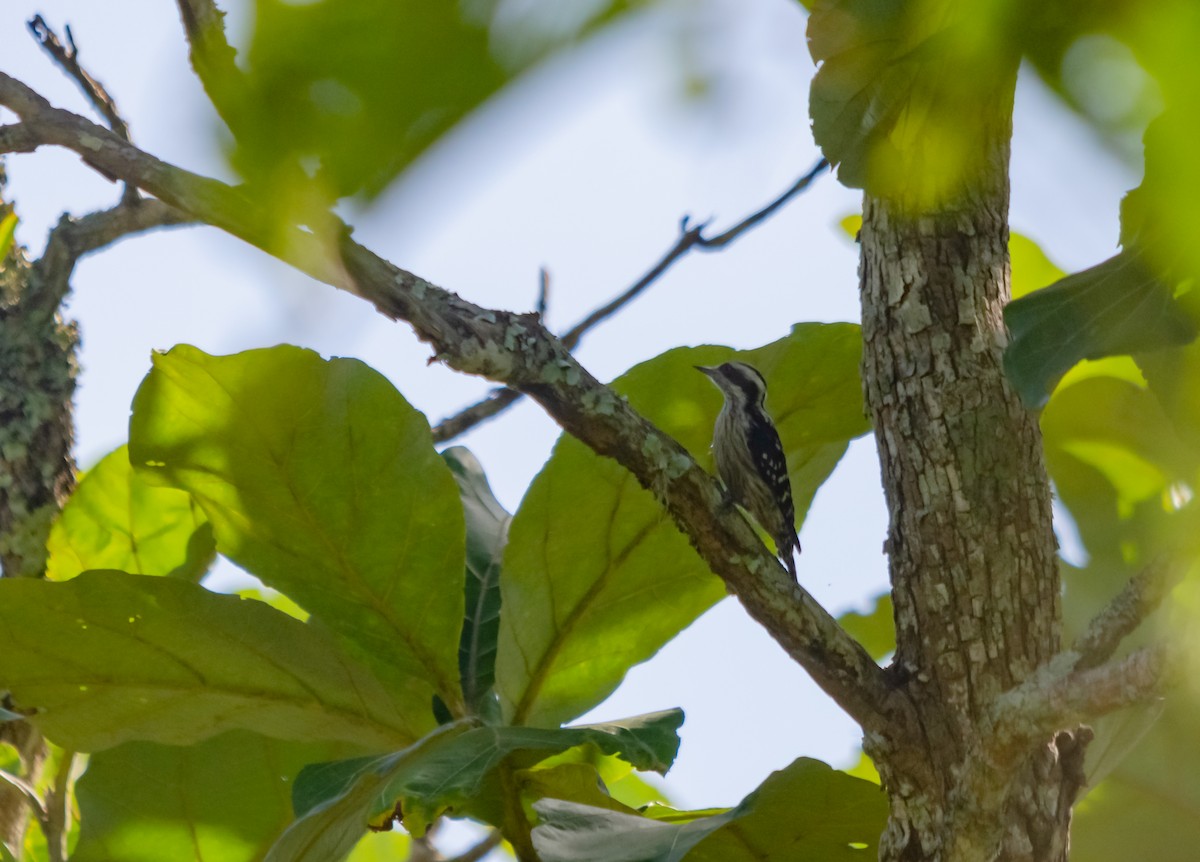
[(750, 458)]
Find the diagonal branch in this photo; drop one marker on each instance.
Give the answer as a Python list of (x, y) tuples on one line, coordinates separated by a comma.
[(1140, 597), (690, 237), (516, 350)]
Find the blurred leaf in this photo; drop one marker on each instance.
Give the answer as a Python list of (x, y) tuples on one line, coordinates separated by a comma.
[(362, 87), (1031, 269), (108, 657), (8, 227), (115, 519), (487, 534), (322, 481), (596, 576), (876, 629), (1119, 306), (806, 811), (451, 768), (1173, 377), (893, 82), (1149, 805), (223, 800)]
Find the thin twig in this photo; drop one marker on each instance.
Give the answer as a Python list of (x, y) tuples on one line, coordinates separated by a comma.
[(67, 58), (543, 292), (499, 400)]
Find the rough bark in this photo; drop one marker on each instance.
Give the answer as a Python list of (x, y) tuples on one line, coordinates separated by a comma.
[(970, 543), (37, 380)]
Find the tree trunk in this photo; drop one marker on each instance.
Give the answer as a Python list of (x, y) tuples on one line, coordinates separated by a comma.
[(970, 544), (37, 471)]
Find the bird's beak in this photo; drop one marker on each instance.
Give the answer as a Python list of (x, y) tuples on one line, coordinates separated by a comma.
[(711, 372)]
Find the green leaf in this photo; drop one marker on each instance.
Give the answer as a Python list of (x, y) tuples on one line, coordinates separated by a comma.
[(321, 480), (806, 811), (109, 657), (894, 80), (596, 576), (454, 767), (223, 800), (116, 519), (876, 629), (579, 782), (363, 87), (487, 534), (570, 832), (1119, 306), (8, 228)]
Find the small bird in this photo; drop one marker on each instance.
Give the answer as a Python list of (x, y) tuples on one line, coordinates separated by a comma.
[(750, 458)]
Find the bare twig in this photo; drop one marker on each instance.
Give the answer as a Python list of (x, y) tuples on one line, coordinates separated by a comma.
[(67, 58), (1140, 597), (690, 237), (543, 293), (724, 239), (516, 351)]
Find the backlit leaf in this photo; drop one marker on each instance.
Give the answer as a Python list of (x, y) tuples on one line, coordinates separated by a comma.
[(115, 519), (108, 657), (322, 481)]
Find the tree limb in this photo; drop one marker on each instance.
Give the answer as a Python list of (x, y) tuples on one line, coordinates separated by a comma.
[(516, 351), (690, 237), (1140, 597)]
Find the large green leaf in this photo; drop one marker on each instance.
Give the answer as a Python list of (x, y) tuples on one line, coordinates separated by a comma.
[(362, 87), (806, 811), (109, 657), (116, 519), (487, 534), (454, 767), (223, 800), (320, 479), (596, 576), (1119, 306)]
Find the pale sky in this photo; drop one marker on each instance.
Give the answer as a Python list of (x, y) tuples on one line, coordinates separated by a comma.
[(585, 168)]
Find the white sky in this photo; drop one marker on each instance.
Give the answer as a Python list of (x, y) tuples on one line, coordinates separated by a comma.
[(586, 169)]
